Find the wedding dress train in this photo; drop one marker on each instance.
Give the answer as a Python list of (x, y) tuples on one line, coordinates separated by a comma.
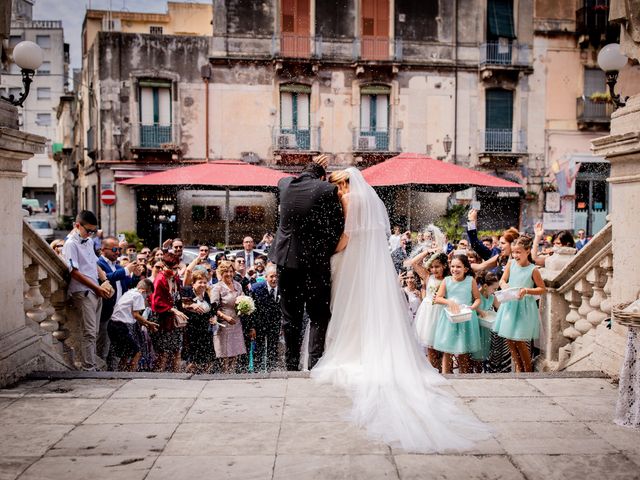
[(372, 351)]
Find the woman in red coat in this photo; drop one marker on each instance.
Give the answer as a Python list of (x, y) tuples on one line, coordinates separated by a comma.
[(167, 341)]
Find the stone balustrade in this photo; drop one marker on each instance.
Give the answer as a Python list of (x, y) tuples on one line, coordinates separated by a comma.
[(45, 294), (577, 307)]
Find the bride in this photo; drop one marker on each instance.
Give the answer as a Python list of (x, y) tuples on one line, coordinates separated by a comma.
[(371, 349)]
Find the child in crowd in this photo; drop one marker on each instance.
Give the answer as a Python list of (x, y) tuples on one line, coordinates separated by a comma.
[(518, 321), (488, 283), (463, 338), (121, 329), (432, 274)]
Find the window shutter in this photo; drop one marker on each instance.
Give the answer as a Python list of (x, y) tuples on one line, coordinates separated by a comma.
[(500, 19), (146, 105), (303, 111), (164, 106), (286, 110), (382, 113), (499, 109), (365, 113)]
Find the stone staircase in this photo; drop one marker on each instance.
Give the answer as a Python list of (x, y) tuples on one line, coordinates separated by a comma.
[(576, 310)]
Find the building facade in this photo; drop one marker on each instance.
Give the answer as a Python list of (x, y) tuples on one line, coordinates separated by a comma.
[(366, 79), (38, 112), (138, 108), (573, 90)]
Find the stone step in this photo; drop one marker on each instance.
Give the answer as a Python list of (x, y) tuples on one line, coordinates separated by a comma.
[(62, 375)]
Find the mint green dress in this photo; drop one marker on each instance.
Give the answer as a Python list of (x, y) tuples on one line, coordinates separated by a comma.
[(463, 337), (519, 319), (486, 304)]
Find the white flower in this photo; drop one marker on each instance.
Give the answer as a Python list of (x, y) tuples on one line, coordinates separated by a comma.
[(245, 305)]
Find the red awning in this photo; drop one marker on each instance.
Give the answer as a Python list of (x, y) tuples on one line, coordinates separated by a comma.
[(424, 173), (219, 173)]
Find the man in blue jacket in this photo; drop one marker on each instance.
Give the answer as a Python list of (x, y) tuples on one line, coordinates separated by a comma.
[(266, 322), (121, 279)]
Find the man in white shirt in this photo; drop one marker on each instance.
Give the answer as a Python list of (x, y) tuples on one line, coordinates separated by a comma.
[(84, 289), (248, 254), (394, 239)]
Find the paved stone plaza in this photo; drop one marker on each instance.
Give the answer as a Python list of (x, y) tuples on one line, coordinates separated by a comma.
[(180, 427)]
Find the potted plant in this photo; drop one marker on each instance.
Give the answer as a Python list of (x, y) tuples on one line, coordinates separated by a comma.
[(600, 97)]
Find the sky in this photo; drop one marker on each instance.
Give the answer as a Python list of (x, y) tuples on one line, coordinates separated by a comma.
[(71, 12)]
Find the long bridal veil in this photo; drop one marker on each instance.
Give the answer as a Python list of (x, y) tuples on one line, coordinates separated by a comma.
[(371, 349)]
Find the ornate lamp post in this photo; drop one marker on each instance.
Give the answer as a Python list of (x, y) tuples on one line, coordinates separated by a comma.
[(28, 56), (611, 61)]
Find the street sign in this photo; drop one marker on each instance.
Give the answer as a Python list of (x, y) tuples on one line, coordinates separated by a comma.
[(108, 197)]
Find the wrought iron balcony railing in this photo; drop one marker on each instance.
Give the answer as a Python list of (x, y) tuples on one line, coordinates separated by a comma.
[(505, 54), (502, 140), (588, 111), (154, 135)]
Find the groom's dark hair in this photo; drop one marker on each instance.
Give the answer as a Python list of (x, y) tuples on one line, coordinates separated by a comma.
[(314, 169)]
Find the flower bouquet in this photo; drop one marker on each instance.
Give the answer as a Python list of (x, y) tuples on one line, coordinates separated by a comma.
[(245, 305)]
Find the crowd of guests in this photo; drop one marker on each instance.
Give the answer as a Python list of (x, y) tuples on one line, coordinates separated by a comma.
[(149, 309)]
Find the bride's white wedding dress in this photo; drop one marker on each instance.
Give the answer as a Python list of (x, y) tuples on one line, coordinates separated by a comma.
[(371, 349)]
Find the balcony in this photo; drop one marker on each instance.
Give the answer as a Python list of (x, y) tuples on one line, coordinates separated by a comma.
[(91, 142), (296, 46), (154, 137), (593, 19), (296, 140), (505, 55), (366, 140), (501, 147), (593, 114)]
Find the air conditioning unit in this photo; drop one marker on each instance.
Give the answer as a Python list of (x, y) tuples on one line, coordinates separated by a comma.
[(286, 140), (366, 143)]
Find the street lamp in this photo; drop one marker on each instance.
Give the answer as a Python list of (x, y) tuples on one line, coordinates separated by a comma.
[(446, 143), (611, 61), (28, 56)]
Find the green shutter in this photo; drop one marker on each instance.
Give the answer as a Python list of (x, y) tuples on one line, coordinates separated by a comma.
[(295, 88), (375, 90), (154, 83), (500, 19), (499, 109)]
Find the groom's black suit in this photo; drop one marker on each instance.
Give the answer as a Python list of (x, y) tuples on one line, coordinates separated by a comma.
[(311, 222)]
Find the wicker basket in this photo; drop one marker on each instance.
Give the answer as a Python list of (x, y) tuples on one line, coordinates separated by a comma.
[(628, 319)]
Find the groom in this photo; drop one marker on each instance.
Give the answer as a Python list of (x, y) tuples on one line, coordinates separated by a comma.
[(311, 222)]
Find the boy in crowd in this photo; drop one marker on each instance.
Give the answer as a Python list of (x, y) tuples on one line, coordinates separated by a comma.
[(122, 333)]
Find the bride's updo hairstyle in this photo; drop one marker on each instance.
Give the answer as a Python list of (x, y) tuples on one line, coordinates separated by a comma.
[(339, 176)]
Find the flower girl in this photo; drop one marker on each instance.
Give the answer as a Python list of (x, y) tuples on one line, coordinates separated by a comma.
[(432, 273)]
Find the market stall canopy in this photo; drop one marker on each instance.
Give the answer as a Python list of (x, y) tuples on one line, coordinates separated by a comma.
[(234, 174), (422, 173)]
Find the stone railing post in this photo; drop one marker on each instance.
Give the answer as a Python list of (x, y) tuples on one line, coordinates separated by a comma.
[(19, 342)]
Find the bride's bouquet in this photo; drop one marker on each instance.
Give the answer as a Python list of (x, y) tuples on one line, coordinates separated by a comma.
[(245, 305)]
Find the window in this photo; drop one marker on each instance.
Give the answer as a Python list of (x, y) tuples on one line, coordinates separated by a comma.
[(500, 19), (14, 40), (374, 117), (45, 171), (45, 68), (44, 93), (43, 119), (155, 30), (294, 116), (43, 41), (155, 113), (498, 120)]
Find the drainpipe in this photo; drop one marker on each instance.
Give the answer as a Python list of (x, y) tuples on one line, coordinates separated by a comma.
[(206, 119), (455, 94), (206, 76)]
